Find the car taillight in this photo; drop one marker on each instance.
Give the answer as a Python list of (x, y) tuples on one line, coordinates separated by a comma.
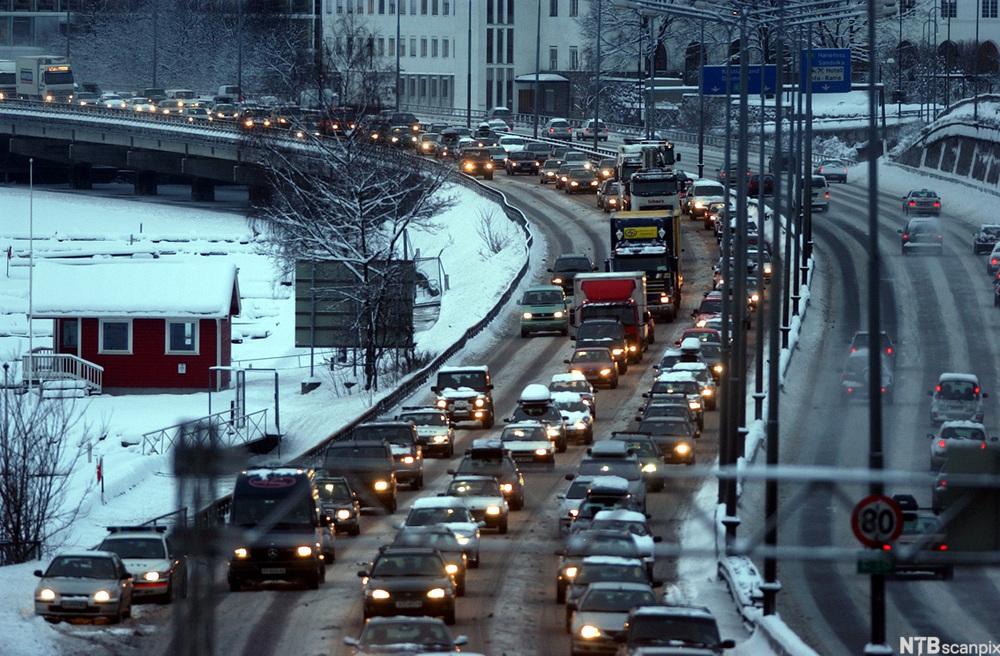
[(937, 388), (937, 203), (906, 236), (821, 169), (886, 547), (913, 203), (888, 350), (826, 195), (552, 130), (975, 390), (993, 261), (942, 444), (942, 547)]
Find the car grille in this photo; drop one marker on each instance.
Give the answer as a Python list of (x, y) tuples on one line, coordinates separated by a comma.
[(271, 553), (542, 315)]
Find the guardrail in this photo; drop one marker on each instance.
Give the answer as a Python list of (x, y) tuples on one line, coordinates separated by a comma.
[(231, 429)]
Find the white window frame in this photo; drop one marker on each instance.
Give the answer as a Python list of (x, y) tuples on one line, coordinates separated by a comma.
[(197, 337), (100, 337)]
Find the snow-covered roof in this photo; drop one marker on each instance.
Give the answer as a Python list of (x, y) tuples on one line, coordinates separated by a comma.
[(470, 367), (611, 560), (438, 502), (963, 423), (971, 378), (673, 611), (80, 553), (689, 366), (566, 397), (566, 378), (690, 344), (542, 77), (618, 585), (610, 483), (535, 393), (674, 377), (169, 288)]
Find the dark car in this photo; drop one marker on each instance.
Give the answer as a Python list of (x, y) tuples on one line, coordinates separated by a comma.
[(540, 151), (605, 569), (648, 453), (405, 119), (922, 201), (861, 341), (609, 195), (442, 538), (604, 333), (405, 444), (368, 466), (255, 118), (923, 535), (408, 581), (674, 436), (450, 136), (489, 458), (597, 365), (606, 168), (753, 184), (565, 268), (285, 538), (922, 234), (985, 238), (465, 393), (550, 169), (558, 128), (435, 431), (681, 629), (392, 635), (401, 136), (589, 542), (340, 504), (581, 181), (563, 173), (430, 144), (476, 162), (522, 162)]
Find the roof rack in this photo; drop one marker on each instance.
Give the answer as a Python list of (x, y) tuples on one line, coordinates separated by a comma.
[(130, 529)]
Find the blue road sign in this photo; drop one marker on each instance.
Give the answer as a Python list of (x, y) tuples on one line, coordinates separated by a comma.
[(713, 79), (831, 70)]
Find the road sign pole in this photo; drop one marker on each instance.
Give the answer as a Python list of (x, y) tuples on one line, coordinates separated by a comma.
[(737, 376), (807, 159), (701, 102), (724, 400)]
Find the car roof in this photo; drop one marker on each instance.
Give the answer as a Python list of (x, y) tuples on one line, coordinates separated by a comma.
[(674, 611), (72, 553), (689, 366), (437, 502), (133, 534), (572, 376), (403, 619), (963, 423), (607, 448), (611, 560), (969, 378), (616, 483), (566, 397), (544, 288), (386, 422), (690, 343), (535, 393), (352, 443), (620, 514), (527, 423), (675, 377), (399, 548), (472, 477), (487, 443), (616, 585), (464, 368)]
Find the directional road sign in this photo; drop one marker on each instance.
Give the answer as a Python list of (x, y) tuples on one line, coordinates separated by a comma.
[(831, 70), (877, 520), (713, 79)]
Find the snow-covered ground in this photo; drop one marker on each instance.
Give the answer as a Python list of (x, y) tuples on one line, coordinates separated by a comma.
[(138, 487)]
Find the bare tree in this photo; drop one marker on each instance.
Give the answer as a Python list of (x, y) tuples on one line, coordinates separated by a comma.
[(351, 201), (361, 73), (41, 443)]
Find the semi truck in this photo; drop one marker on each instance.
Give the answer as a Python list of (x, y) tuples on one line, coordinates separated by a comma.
[(45, 77), (646, 170), (650, 242), (619, 295)]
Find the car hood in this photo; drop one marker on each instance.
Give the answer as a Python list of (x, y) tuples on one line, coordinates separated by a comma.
[(428, 649), (573, 416), (70, 585), (481, 503), (458, 393), (520, 446), (136, 566), (467, 529), (603, 621), (407, 583)]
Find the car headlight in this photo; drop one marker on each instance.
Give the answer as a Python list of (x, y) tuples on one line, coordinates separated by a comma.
[(461, 539), (717, 368), (541, 452), (589, 632), (343, 513), (570, 572), (495, 510), (617, 351), (527, 315), (304, 551), (439, 439), (489, 165), (241, 553), (633, 348), (580, 425), (558, 314), (381, 486), (451, 568), (767, 268), (380, 594), (699, 205), (552, 431), (435, 593), (649, 468), (395, 139), (557, 281), (701, 323), (506, 488), (102, 596), (707, 391), (574, 184), (46, 594), (408, 460), (694, 405), (754, 298), (152, 577), (480, 402), (682, 448), (605, 372), (442, 403)]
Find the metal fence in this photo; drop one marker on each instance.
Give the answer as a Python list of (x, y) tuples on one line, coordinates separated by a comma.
[(233, 430)]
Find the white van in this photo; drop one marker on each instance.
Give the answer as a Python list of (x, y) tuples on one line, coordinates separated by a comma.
[(180, 94)]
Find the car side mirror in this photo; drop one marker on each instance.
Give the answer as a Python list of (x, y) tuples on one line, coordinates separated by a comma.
[(570, 477), (39, 573), (677, 157), (930, 436), (506, 420), (563, 496), (638, 418), (645, 395), (728, 643), (460, 640), (656, 583), (125, 576), (899, 230), (362, 573), (348, 640), (450, 471), (657, 539), (694, 313), (648, 516), (435, 389), (442, 494), (559, 552), (565, 361)]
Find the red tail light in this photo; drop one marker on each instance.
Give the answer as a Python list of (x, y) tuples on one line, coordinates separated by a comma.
[(975, 390), (913, 203), (937, 203), (942, 547), (886, 547), (821, 169), (826, 195), (850, 390), (906, 236), (942, 444), (937, 388), (993, 261), (888, 350), (943, 483), (853, 349), (883, 390), (982, 446)]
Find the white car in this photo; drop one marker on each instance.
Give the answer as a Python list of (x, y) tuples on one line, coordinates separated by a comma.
[(577, 414), (955, 430), (453, 513), (574, 381), (435, 433), (703, 375), (587, 131), (601, 613), (529, 442), (512, 144), (158, 573), (957, 396), (701, 194), (635, 524), (483, 497), (570, 500)]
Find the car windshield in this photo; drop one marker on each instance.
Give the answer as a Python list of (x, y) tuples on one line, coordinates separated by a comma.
[(653, 187), (429, 516), (590, 355), (633, 528), (598, 573), (580, 174), (962, 433), (624, 313), (393, 434), (711, 351), (573, 406), (831, 162), (710, 306), (599, 330), (426, 418), (523, 434), (615, 601), (924, 228), (559, 124), (512, 141), (675, 387), (572, 265), (661, 629), (671, 410), (923, 193), (538, 412), (922, 524), (408, 633), (481, 466), (408, 565), (547, 297), (664, 426), (590, 542), (578, 489), (669, 360), (340, 453), (443, 540), (958, 390), (578, 386), (135, 547), (992, 231), (334, 491), (474, 488), (629, 470), (472, 379), (709, 190), (82, 567)]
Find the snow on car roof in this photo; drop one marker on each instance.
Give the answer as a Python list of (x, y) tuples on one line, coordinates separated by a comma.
[(526, 423), (689, 366), (956, 376), (690, 344), (566, 397), (73, 553), (618, 585), (437, 502), (469, 367), (621, 515), (608, 447), (610, 483), (963, 423), (535, 393), (611, 560), (265, 472), (674, 611), (487, 443), (567, 378), (674, 377)]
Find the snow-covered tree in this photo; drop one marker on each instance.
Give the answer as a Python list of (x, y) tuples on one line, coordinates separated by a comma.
[(362, 76)]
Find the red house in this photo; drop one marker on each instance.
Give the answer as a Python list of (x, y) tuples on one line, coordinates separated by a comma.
[(157, 324)]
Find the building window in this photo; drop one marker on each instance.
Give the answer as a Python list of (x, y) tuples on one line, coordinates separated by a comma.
[(392, 47), (413, 47), (340, 6), (489, 12), (553, 8), (445, 7), (434, 88), (361, 7), (392, 7), (510, 46), (434, 7), (413, 7), (434, 47), (500, 51), (182, 337), (510, 12), (423, 7), (423, 88), (381, 7), (371, 7), (115, 336), (510, 87), (574, 58), (69, 334), (423, 47), (402, 47), (444, 47), (444, 88), (381, 47), (989, 8), (574, 7), (949, 9), (413, 87), (489, 46), (553, 58), (489, 87)]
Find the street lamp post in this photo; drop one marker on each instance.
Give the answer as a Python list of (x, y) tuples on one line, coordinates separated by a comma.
[(239, 51), (975, 71), (807, 158), (399, 9), (701, 102), (899, 66), (538, 56), (156, 47), (597, 75), (468, 73)]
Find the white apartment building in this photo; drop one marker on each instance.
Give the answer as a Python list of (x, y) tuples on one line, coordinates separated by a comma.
[(435, 38)]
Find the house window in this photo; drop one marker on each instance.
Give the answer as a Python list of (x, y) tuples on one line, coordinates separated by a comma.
[(182, 337), (510, 46), (392, 7), (381, 47), (574, 7), (510, 12), (402, 47), (423, 7), (445, 7), (423, 87), (381, 7), (340, 6), (69, 334), (553, 58), (392, 47), (949, 8), (500, 50), (444, 88), (489, 87), (489, 12), (574, 58), (553, 8), (489, 46), (115, 336), (500, 11)]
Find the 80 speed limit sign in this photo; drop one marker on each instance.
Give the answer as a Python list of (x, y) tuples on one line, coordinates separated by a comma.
[(877, 519)]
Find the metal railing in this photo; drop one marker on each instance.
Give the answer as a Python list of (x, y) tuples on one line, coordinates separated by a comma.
[(43, 367), (232, 430)]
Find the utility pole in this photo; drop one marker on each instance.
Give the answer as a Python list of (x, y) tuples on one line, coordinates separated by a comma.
[(399, 10), (156, 47), (701, 102), (650, 100), (239, 51), (597, 75), (975, 71), (758, 395), (877, 643), (69, 29), (727, 272), (538, 62), (947, 59), (468, 74), (899, 65), (807, 167)]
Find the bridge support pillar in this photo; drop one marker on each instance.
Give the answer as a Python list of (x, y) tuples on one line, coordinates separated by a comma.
[(259, 195), (202, 190), (145, 183), (79, 176)]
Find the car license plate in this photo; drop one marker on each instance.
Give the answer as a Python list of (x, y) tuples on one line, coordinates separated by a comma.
[(272, 570), (409, 604), (74, 604)]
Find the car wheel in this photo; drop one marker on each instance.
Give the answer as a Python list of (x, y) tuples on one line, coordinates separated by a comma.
[(328, 558), (947, 574), (312, 581), (614, 384), (517, 504), (564, 332), (235, 584), (418, 483), (117, 617), (391, 506), (52, 620), (167, 596), (503, 528), (451, 451), (590, 435), (561, 446), (560, 593), (449, 616), (128, 610), (355, 530), (460, 587), (488, 422), (524, 333), (322, 573), (474, 564)]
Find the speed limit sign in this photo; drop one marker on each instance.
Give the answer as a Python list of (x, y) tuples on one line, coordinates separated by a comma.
[(877, 519)]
